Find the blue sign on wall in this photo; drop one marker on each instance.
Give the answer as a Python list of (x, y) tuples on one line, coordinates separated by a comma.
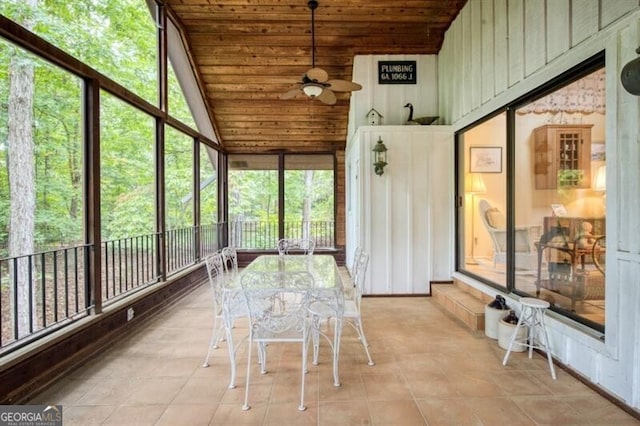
[(397, 72)]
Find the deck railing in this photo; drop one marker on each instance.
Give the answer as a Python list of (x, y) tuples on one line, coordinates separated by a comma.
[(263, 235), (128, 264), (42, 292)]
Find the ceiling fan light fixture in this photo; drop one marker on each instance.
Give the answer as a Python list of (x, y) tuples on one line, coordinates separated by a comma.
[(315, 83), (312, 89)]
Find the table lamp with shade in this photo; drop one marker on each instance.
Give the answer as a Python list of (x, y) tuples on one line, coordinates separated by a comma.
[(474, 184), (600, 184)]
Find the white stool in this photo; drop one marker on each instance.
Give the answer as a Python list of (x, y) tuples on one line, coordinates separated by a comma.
[(532, 316)]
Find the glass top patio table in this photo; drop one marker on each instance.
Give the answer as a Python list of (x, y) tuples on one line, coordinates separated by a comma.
[(323, 268), (328, 291)]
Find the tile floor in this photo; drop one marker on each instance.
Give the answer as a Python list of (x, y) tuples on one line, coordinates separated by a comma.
[(430, 370)]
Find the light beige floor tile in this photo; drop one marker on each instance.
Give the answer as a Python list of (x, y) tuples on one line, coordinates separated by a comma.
[(86, 415), (287, 388), (287, 413), (232, 415), (200, 390), (597, 410), (160, 390), (107, 392), (351, 389), (386, 387), (405, 413), (519, 383), (188, 414), (549, 411), (259, 393), (426, 385), (340, 413), (496, 411), (430, 369), (448, 412), (134, 415)]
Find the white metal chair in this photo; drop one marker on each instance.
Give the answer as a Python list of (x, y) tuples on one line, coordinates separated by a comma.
[(354, 261), (228, 305), (296, 245), (351, 314), (230, 260), (324, 306), (272, 321)]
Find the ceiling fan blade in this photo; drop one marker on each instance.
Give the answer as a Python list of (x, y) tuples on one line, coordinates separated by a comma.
[(327, 97), (291, 93), (343, 86), (317, 74)]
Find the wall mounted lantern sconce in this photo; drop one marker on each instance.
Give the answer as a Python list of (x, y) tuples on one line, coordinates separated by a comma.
[(379, 156), (630, 76)]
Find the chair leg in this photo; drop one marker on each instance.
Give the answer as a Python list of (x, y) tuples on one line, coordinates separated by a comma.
[(337, 333), (213, 344), (262, 357), (356, 323), (246, 405), (305, 347), (315, 334), (232, 356)]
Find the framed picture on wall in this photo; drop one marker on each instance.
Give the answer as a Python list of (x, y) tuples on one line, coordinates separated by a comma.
[(485, 159)]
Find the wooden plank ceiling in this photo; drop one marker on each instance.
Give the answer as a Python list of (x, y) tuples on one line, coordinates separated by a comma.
[(249, 52)]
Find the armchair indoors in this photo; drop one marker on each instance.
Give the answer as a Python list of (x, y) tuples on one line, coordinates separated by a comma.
[(525, 237)]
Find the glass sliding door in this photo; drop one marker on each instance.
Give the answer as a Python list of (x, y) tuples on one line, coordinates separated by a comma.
[(483, 174), (560, 173)]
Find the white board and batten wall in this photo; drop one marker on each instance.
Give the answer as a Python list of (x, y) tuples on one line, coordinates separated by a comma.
[(403, 218), (498, 50)]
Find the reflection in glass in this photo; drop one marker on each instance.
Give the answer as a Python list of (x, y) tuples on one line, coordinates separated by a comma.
[(484, 218), (561, 174)]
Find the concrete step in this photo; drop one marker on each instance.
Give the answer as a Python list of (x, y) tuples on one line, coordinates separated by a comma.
[(464, 305)]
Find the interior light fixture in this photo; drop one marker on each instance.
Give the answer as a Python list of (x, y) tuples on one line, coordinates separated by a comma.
[(379, 156), (600, 182), (474, 184), (312, 89), (600, 185)]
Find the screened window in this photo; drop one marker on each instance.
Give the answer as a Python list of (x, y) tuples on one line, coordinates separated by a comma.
[(208, 199), (99, 34), (258, 187), (127, 197), (41, 195), (308, 196), (179, 205), (253, 201), (177, 104)]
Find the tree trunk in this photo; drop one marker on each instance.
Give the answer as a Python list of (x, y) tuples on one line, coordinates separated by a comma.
[(21, 171)]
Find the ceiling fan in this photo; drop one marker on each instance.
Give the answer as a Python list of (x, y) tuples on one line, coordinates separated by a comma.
[(315, 82)]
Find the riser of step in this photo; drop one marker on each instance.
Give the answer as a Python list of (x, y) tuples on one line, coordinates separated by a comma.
[(464, 302)]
